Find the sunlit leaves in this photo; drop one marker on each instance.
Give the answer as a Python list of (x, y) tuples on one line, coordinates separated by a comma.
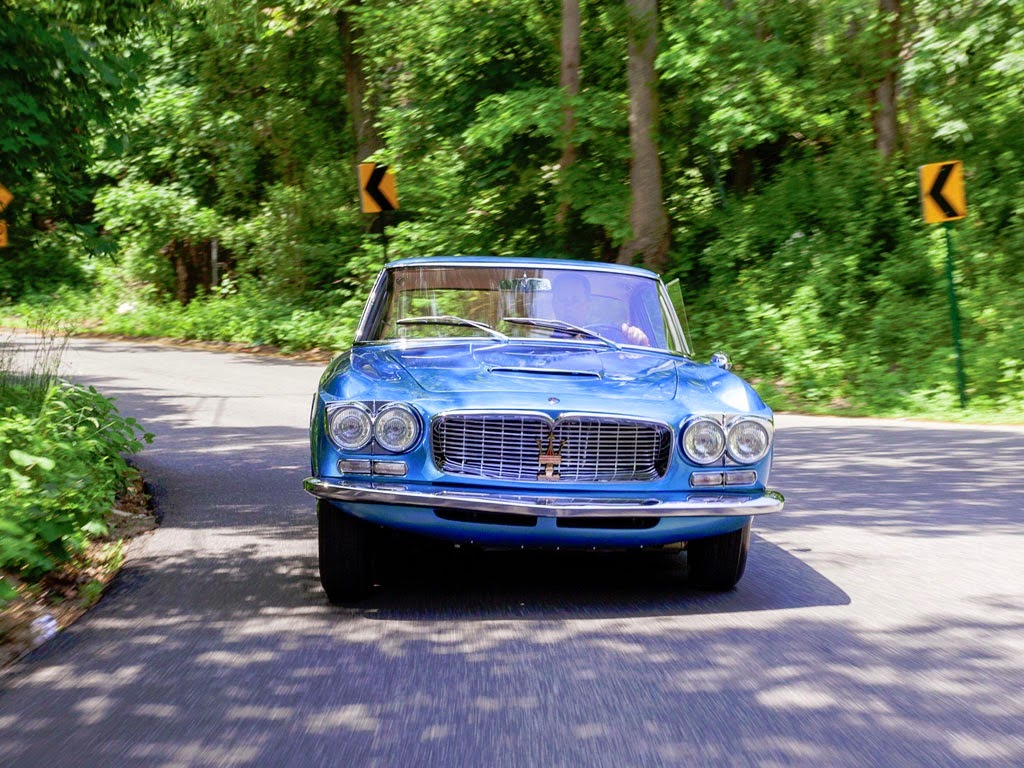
[(61, 465)]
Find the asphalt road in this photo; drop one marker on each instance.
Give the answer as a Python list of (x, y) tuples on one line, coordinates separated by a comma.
[(879, 622)]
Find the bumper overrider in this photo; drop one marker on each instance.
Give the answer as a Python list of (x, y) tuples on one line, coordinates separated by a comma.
[(541, 504)]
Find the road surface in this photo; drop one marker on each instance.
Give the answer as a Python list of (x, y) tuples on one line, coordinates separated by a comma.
[(880, 621)]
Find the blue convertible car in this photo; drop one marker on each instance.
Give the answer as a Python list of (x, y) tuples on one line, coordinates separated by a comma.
[(520, 403)]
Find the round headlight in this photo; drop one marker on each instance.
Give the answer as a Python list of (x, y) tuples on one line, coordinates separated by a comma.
[(704, 441), (749, 441), (397, 428), (349, 426)]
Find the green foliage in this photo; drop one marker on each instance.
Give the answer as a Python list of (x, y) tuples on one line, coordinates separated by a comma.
[(153, 216), (236, 313), (743, 71), (61, 467), (238, 138), (799, 246), (65, 75)]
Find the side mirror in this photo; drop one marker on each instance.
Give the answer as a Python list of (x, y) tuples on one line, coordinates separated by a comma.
[(721, 360)]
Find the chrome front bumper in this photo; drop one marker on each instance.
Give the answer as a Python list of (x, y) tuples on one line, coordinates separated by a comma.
[(682, 504)]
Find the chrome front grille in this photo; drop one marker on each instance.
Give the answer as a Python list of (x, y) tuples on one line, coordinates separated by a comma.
[(510, 446)]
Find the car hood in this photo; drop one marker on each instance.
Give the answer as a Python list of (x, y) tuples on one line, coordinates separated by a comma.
[(528, 368), (516, 374)]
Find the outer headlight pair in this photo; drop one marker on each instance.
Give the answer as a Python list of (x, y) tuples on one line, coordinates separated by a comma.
[(351, 426), (745, 439)]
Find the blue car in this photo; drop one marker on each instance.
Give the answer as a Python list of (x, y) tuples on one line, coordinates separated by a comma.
[(533, 403)]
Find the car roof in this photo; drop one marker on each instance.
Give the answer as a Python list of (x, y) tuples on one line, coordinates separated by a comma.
[(518, 261)]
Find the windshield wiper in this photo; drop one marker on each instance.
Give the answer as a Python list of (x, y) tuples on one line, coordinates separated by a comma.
[(454, 321), (559, 325)]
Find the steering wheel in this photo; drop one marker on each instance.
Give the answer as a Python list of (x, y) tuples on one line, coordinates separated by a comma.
[(608, 330)]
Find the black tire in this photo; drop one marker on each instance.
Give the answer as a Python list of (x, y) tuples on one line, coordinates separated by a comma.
[(347, 554), (718, 562)]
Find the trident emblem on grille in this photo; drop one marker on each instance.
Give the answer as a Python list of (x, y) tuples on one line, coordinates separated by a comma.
[(550, 458)]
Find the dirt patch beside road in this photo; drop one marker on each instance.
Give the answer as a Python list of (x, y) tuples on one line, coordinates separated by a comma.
[(44, 608)]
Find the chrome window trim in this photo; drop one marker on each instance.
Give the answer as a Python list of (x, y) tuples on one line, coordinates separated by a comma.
[(373, 307), (535, 263)]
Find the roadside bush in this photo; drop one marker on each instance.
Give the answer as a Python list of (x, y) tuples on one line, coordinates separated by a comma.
[(824, 287), (326, 320), (61, 467), (234, 313)]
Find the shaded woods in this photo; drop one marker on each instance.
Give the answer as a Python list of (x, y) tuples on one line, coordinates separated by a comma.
[(763, 152)]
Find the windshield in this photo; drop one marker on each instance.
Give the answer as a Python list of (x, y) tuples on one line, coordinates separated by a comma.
[(504, 303)]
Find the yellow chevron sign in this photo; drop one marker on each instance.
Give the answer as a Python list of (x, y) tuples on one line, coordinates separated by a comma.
[(942, 192), (378, 190), (5, 200)]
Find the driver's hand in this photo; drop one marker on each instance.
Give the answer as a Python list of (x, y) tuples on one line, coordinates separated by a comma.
[(635, 336)]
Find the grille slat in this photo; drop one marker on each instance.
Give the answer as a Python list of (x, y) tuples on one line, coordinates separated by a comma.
[(505, 447)]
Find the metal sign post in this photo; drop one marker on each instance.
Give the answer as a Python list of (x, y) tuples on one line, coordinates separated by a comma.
[(954, 311), (943, 202)]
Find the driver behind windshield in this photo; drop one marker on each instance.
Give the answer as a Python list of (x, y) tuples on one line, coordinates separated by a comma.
[(572, 303)]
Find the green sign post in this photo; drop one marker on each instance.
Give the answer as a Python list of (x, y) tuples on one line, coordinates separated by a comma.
[(943, 202), (954, 311)]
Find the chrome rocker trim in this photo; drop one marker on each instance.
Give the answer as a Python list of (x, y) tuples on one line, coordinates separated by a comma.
[(685, 504)]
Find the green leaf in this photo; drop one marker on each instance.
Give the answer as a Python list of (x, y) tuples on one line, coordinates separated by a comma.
[(7, 592), (23, 459), (96, 528)]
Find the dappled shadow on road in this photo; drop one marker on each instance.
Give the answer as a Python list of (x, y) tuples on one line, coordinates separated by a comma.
[(921, 482), (217, 647), (232, 674)]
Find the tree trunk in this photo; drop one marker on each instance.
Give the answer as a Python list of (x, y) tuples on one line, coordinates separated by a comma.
[(884, 117), (650, 238), (363, 120), (570, 84), (191, 267), (364, 126)]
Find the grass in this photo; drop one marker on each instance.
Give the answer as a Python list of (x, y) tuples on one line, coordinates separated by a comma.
[(320, 322), (25, 379)]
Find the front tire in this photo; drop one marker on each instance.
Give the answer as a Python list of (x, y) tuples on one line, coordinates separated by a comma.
[(717, 562), (347, 554)]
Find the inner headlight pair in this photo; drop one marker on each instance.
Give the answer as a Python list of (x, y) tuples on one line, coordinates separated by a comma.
[(745, 439), (351, 426)]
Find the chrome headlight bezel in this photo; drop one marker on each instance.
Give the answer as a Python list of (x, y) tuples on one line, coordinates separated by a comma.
[(692, 430), (368, 426), (732, 429), (737, 428), (335, 413), (405, 414)]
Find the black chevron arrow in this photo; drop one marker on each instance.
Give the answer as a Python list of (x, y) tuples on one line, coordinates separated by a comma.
[(936, 191), (373, 188)]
